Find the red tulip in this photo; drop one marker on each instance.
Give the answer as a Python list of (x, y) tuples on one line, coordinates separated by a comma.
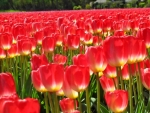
[(144, 34), (73, 41), (24, 47), (59, 39), (145, 77), (2, 53), (13, 51), (39, 35), (117, 100), (60, 59), (96, 58), (132, 53), (37, 82), (141, 55), (38, 60), (48, 44), (18, 29), (6, 40), (7, 85), (115, 49), (80, 60), (107, 83), (52, 76), (67, 105), (110, 71), (78, 77), (27, 105), (67, 89)]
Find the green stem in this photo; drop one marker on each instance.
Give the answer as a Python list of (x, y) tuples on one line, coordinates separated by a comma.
[(119, 77), (134, 90), (98, 93), (51, 102), (140, 82), (80, 104), (148, 53), (130, 89), (46, 102), (88, 101), (56, 104)]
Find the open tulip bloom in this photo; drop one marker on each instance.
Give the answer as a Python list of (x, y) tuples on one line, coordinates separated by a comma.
[(87, 61)]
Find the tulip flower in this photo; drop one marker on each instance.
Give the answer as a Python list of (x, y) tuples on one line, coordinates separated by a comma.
[(52, 76), (144, 34), (37, 61), (18, 29), (107, 83), (117, 101), (78, 77), (145, 78), (59, 39), (37, 82), (132, 53), (60, 59), (141, 55), (48, 44), (39, 35), (73, 41), (96, 58), (27, 105), (115, 51), (67, 89), (80, 59), (6, 40), (110, 71), (7, 85), (24, 47), (2, 53), (13, 51), (67, 105)]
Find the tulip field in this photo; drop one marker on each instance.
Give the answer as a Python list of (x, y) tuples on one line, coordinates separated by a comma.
[(87, 61)]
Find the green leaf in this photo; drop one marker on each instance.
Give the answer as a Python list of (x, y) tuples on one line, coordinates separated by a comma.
[(140, 107), (103, 109)]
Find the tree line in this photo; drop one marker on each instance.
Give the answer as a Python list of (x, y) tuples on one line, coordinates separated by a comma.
[(35, 5)]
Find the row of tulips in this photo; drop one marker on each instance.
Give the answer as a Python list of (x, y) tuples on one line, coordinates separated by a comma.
[(74, 55)]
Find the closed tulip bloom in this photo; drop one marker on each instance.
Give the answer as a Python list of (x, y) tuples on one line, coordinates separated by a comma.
[(59, 59), (39, 35), (141, 54), (145, 77), (6, 40), (37, 82), (24, 47), (67, 89), (52, 76), (67, 105), (2, 53), (115, 51), (59, 38), (37, 61), (132, 53), (96, 58), (73, 41), (48, 44), (107, 83), (18, 29), (110, 71), (80, 59), (117, 101), (7, 85), (13, 51), (78, 77), (144, 34), (27, 105)]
